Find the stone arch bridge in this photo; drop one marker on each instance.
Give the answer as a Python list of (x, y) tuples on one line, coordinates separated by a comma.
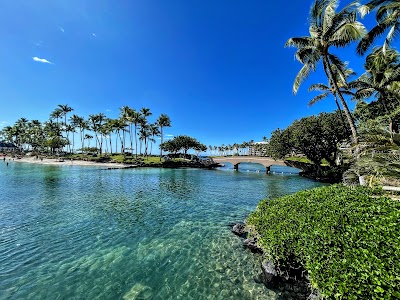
[(267, 162)]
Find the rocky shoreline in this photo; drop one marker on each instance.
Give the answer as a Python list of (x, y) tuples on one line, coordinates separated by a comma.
[(290, 284)]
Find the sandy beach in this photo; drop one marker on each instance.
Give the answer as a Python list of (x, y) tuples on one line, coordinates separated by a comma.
[(68, 162)]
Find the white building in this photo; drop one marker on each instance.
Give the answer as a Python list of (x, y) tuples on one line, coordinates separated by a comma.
[(258, 149)]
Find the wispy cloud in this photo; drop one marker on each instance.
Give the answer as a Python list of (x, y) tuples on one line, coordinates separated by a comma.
[(42, 60), (170, 135), (94, 34), (39, 44), (61, 29), (108, 110), (3, 123)]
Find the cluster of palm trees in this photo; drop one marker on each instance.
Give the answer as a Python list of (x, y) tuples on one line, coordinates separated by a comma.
[(230, 149), (131, 130), (332, 28)]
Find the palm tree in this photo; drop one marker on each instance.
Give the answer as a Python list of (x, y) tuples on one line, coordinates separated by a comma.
[(88, 137), (124, 117), (74, 121), (96, 124), (65, 109), (382, 71), (83, 125), (119, 126), (163, 121), (154, 131), (144, 134), (327, 29), (136, 120), (388, 18), (56, 114), (70, 128), (327, 90), (108, 129)]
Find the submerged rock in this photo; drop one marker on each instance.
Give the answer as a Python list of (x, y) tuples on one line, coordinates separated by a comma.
[(239, 229), (251, 243), (138, 291), (289, 286)]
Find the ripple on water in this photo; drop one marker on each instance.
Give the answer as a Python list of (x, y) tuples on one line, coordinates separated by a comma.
[(83, 233)]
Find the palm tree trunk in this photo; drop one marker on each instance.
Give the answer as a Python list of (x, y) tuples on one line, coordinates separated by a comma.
[(82, 139), (341, 114), (130, 136), (162, 140), (350, 120), (135, 141), (116, 142), (111, 144)]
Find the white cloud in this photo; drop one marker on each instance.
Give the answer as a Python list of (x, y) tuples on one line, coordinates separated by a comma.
[(94, 34), (62, 29), (3, 122), (169, 135), (108, 110), (42, 60)]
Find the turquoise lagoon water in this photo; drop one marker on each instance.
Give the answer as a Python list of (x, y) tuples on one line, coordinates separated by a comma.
[(69, 232)]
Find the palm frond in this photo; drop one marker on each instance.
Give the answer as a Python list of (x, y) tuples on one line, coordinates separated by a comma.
[(316, 11), (364, 93), (348, 33), (301, 76), (299, 42), (394, 32), (369, 38), (305, 55), (318, 87), (330, 13), (317, 99)]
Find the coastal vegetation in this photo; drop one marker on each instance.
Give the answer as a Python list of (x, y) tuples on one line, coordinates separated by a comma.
[(130, 133), (343, 240), (183, 143)]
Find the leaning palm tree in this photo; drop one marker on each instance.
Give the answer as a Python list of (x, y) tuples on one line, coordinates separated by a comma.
[(388, 18), (327, 28), (163, 121)]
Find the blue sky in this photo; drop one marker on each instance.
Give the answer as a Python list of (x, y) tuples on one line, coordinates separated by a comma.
[(219, 69)]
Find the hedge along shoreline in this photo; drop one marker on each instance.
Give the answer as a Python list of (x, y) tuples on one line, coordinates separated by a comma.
[(347, 239)]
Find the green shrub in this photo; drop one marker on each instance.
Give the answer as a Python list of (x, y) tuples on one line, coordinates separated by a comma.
[(346, 238)]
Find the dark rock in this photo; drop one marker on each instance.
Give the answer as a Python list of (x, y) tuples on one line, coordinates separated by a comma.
[(251, 243), (259, 279), (239, 229), (269, 271)]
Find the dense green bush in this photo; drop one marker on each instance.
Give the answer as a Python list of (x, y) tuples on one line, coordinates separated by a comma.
[(346, 238)]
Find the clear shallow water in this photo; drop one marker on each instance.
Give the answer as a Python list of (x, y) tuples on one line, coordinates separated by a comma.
[(85, 233)]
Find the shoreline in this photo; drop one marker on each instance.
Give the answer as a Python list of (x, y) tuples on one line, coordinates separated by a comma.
[(69, 162)]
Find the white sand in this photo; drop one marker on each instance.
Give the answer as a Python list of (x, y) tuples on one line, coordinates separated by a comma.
[(67, 162)]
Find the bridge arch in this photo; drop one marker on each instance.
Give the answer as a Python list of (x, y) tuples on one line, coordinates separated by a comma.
[(267, 162)]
